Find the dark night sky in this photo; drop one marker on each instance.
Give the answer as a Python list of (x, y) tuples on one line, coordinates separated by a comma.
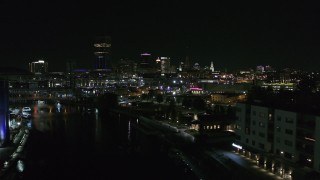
[(232, 35)]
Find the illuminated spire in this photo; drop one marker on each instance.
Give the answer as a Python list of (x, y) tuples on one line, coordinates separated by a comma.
[(212, 67)]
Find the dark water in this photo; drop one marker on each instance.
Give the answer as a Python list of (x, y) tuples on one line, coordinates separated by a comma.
[(72, 144)]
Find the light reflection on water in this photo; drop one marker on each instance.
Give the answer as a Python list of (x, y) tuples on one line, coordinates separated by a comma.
[(44, 115), (74, 133), (67, 125)]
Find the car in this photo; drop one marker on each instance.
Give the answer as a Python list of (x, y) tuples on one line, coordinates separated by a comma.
[(19, 149), (6, 164), (15, 111), (26, 109), (26, 114)]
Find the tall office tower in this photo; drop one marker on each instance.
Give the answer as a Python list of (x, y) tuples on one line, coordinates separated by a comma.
[(145, 59), (146, 65), (158, 64), (4, 124), (212, 67), (70, 67), (165, 65), (181, 66), (38, 67), (102, 52), (126, 67), (187, 64)]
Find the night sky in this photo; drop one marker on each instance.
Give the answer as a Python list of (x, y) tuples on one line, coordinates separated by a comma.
[(232, 35)]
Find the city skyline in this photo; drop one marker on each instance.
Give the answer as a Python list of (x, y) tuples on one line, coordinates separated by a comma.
[(233, 36)]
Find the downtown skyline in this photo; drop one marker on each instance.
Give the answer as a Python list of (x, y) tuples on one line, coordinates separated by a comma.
[(233, 36)]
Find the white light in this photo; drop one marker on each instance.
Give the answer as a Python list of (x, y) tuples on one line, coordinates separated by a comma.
[(20, 166), (237, 146), (5, 164)]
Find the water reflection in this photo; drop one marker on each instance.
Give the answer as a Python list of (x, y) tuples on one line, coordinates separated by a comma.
[(129, 131), (73, 143)]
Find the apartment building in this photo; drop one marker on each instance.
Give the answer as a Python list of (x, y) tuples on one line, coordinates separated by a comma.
[(280, 139)]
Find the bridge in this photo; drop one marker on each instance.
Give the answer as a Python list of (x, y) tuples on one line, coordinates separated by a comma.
[(27, 99)]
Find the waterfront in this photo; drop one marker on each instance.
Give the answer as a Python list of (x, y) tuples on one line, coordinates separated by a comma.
[(75, 143)]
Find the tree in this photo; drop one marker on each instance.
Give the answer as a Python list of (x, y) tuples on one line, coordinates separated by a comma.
[(159, 98), (179, 100), (222, 110), (168, 98), (172, 109), (186, 102), (216, 109), (230, 111), (151, 93), (199, 104), (144, 96)]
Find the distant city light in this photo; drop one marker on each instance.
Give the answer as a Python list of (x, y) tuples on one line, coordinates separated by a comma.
[(196, 89)]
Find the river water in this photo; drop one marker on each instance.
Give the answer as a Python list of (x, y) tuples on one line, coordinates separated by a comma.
[(71, 143)]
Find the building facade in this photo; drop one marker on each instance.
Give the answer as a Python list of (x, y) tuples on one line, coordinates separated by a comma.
[(165, 65), (279, 140), (38, 67), (102, 52)]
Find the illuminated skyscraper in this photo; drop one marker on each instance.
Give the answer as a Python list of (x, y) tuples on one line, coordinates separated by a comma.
[(212, 67), (165, 65), (38, 67), (145, 60), (102, 51), (158, 64), (146, 65)]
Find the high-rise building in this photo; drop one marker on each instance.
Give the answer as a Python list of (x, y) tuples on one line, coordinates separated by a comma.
[(158, 64), (38, 67), (102, 52), (212, 67), (165, 65), (146, 65), (145, 60), (187, 64), (70, 67)]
